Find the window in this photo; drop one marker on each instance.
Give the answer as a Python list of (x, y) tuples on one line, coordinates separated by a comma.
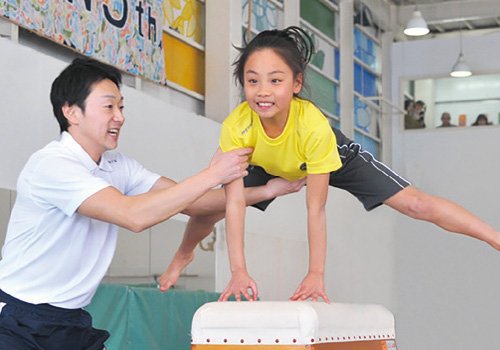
[(183, 40), (319, 19)]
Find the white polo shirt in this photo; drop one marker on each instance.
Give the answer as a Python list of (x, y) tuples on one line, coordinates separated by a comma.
[(51, 253)]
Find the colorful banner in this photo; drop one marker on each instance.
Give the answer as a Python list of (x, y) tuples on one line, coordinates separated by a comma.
[(123, 33), (185, 17)]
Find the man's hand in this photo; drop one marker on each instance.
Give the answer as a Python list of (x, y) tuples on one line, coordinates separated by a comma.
[(311, 287), (240, 284), (229, 166), (279, 186)]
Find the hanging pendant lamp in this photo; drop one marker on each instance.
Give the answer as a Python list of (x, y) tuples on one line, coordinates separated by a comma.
[(460, 68), (417, 26)]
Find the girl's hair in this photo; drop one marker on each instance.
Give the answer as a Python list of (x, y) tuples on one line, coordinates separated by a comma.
[(481, 117), (292, 44)]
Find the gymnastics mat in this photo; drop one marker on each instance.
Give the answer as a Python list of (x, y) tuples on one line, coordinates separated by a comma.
[(265, 325)]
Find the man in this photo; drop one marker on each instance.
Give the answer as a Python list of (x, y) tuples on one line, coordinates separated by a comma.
[(72, 195), (446, 120)]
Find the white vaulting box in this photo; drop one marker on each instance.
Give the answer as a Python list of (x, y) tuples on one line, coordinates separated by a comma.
[(292, 325)]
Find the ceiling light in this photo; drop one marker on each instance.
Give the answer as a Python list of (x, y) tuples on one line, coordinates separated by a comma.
[(460, 69), (416, 25)]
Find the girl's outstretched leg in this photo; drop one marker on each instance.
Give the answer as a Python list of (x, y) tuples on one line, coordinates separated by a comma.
[(444, 213)]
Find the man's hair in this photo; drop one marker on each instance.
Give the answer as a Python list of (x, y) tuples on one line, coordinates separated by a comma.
[(74, 83)]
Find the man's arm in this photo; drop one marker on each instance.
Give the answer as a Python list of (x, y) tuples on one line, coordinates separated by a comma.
[(137, 213), (214, 201)]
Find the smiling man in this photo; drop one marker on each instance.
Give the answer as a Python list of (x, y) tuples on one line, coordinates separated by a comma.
[(71, 197)]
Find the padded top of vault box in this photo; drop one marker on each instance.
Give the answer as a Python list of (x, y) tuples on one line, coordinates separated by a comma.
[(290, 323)]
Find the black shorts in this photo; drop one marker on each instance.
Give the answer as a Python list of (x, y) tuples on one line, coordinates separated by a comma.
[(369, 180), (25, 326)]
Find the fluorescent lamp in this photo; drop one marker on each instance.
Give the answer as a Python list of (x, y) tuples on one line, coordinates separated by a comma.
[(416, 25)]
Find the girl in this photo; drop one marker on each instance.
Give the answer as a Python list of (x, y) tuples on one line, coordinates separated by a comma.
[(292, 139)]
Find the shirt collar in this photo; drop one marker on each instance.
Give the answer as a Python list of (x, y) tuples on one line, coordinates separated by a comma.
[(68, 141)]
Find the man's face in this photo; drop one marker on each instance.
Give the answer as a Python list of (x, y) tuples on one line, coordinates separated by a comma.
[(446, 118), (97, 128)]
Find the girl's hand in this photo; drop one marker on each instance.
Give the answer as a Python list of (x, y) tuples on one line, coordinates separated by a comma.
[(312, 286), (240, 283)]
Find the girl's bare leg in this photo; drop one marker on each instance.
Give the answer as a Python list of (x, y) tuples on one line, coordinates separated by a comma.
[(443, 213), (197, 228), (206, 212)]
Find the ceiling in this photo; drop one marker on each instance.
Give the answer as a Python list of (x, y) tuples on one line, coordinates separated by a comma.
[(451, 16)]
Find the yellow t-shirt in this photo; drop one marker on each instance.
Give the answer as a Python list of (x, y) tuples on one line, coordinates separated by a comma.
[(307, 145)]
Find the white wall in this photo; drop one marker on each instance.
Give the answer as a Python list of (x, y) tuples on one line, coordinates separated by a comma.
[(445, 285), (445, 289), (25, 116), (5, 209), (419, 59)]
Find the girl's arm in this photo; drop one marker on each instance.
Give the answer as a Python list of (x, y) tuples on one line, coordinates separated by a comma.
[(240, 281), (312, 286)]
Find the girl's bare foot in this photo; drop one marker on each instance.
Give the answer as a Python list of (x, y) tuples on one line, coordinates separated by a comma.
[(496, 242), (174, 270)]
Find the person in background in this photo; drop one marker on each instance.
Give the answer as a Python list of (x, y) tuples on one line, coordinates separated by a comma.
[(420, 109), (411, 121), (445, 120), (481, 119)]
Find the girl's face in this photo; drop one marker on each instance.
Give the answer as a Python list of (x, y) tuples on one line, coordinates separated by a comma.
[(269, 85)]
